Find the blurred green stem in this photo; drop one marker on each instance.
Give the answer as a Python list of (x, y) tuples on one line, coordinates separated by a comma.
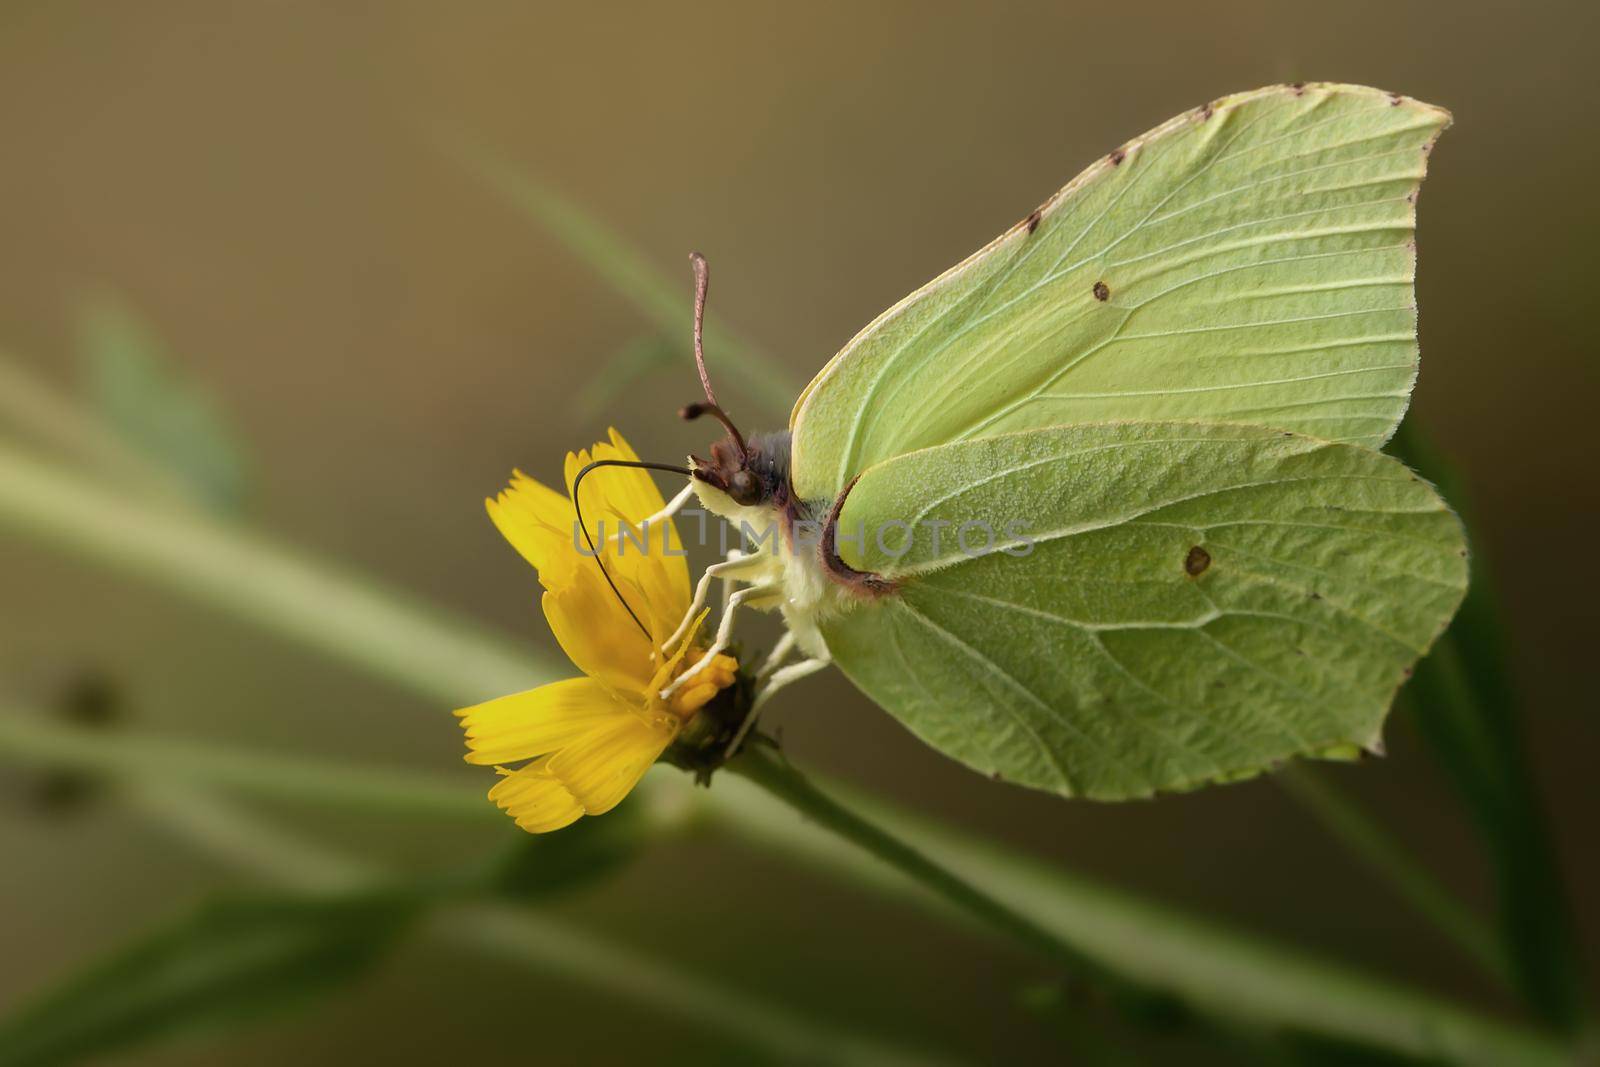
[(1538, 932), (777, 776), (1369, 842), (1080, 925), (664, 300), (35, 740), (443, 659), (226, 566), (1464, 701), (43, 414), (1227, 973), (520, 936)]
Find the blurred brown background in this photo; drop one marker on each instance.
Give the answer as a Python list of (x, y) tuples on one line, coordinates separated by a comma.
[(389, 337)]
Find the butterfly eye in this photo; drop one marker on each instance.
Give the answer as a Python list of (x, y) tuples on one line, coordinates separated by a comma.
[(745, 488)]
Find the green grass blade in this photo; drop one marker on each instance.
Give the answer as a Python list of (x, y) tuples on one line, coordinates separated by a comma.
[(523, 937), (634, 362), (226, 566), (138, 391), (441, 658), (1219, 972), (1464, 703), (232, 961), (30, 739), (35, 411), (1387, 857), (1224, 972), (664, 299)]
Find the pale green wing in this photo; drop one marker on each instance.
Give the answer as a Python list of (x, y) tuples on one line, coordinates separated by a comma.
[(1248, 261), (1200, 600)]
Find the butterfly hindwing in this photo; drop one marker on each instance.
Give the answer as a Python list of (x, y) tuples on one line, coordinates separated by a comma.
[(1199, 600)]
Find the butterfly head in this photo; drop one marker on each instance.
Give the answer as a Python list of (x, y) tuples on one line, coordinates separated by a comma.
[(753, 472), (744, 473)]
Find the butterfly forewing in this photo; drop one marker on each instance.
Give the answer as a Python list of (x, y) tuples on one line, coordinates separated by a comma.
[(1249, 261)]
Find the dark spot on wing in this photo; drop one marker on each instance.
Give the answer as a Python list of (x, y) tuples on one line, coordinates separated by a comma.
[(1314, 595), (1299, 88), (1395, 99), (1102, 291), (1196, 562), (1206, 112), (1033, 220), (1117, 157)]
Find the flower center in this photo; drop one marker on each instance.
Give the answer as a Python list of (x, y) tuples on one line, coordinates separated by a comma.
[(707, 683)]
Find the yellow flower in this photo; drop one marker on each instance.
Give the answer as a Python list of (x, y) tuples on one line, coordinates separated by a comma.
[(589, 740)]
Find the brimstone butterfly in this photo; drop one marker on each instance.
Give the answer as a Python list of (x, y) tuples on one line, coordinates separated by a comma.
[(1099, 510)]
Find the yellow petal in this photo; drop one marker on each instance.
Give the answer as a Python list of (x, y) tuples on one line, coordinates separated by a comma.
[(664, 582), (596, 633), (645, 585), (627, 495), (525, 725), (619, 492), (591, 621), (538, 521), (601, 768), (538, 802)]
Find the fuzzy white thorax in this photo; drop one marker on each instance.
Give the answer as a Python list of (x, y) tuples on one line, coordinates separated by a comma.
[(807, 595)]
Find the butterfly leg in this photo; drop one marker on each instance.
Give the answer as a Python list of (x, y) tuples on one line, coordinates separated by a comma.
[(780, 652), (729, 571), (724, 631), (781, 677), (734, 555), (674, 506)]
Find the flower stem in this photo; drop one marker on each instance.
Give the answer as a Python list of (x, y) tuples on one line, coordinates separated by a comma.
[(1212, 970), (777, 776)]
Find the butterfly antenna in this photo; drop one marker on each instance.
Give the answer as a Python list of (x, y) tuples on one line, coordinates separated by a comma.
[(702, 286), (577, 509), (694, 411)]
